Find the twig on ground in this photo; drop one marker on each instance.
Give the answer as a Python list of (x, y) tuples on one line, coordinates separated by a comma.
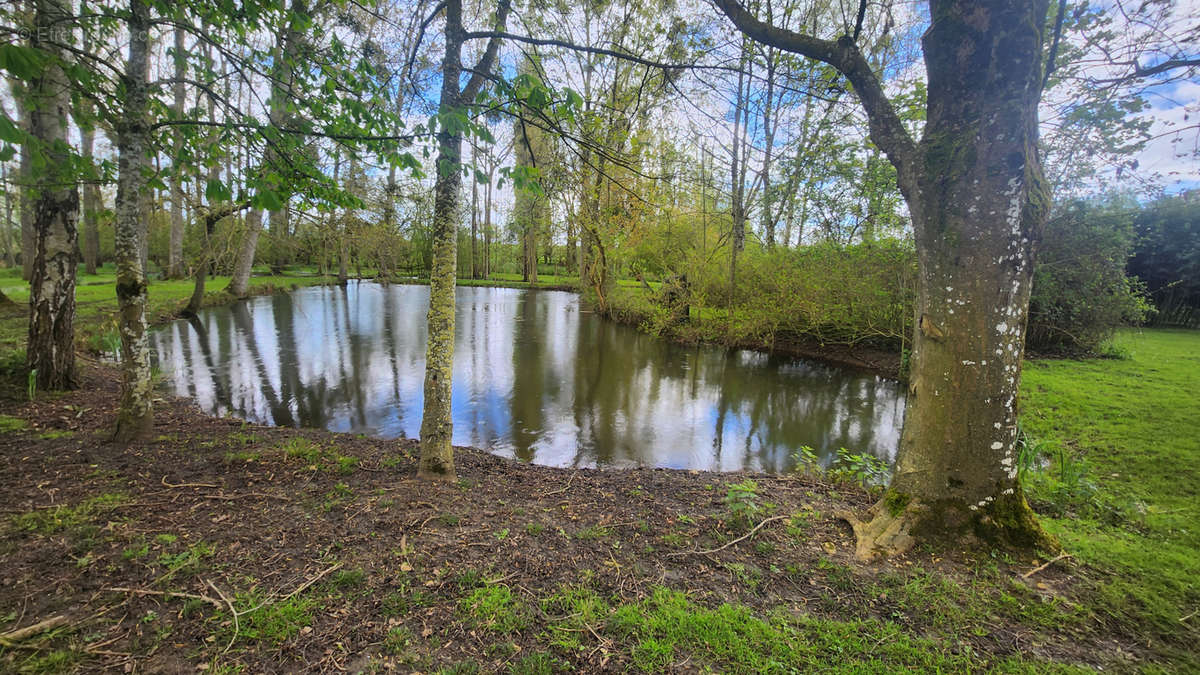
[(12, 637), (141, 591), (183, 485), (722, 548), (232, 611), (245, 495), (1046, 564), (562, 489), (304, 586)]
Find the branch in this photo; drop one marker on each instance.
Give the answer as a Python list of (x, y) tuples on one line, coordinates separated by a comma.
[(489, 55), (1058, 26), (887, 131)]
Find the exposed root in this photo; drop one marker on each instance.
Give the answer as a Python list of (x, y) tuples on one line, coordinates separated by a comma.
[(895, 523), (883, 534)]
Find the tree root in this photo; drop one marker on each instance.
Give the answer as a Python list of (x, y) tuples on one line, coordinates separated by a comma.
[(896, 522), (882, 534)]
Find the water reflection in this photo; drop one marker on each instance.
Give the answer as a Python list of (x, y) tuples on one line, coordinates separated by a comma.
[(535, 377)]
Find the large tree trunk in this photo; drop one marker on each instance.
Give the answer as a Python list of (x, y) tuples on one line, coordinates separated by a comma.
[(980, 204), (135, 418), (50, 351), (976, 192)]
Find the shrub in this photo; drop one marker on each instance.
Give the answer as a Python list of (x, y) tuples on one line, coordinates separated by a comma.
[(1080, 292)]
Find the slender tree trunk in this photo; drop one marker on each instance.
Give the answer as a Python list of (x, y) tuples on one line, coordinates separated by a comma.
[(135, 418), (239, 283), (737, 181), (474, 219), (487, 225), (9, 207), (768, 213), (437, 455), (24, 181), (91, 205), (175, 246), (50, 351)]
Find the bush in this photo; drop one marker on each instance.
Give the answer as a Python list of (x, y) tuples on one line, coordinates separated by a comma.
[(1081, 294)]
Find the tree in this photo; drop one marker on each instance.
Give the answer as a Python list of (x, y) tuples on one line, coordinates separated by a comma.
[(50, 350), (975, 188), (135, 417), (437, 456)]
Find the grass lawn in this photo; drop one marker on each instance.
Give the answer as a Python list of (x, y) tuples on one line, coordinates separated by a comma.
[(1123, 436)]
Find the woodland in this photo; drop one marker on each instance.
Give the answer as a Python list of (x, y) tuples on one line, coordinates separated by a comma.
[(994, 204)]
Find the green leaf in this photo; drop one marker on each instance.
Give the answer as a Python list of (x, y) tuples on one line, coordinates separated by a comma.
[(216, 191), (22, 61)]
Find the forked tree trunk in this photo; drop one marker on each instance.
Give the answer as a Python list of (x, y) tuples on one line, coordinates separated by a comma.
[(975, 188), (50, 351), (437, 455), (135, 418)]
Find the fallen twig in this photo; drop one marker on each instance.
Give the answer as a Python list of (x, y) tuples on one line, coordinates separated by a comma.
[(192, 596), (183, 485), (722, 548), (10, 638), (232, 611), (304, 586), (244, 495), (1046, 564), (562, 489)]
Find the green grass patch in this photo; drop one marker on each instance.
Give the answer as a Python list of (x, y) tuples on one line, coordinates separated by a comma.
[(667, 630), (265, 621), (494, 609), (10, 423), (69, 519), (319, 457), (1121, 485)]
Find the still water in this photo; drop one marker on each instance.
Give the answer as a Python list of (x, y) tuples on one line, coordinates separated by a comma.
[(536, 377)]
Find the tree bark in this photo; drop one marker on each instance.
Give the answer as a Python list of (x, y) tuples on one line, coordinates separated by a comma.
[(239, 283), (135, 418), (175, 245), (975, 189), (50, 350), (437, 455)]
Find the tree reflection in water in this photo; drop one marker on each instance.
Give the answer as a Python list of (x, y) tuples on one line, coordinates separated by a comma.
[(536, 377)]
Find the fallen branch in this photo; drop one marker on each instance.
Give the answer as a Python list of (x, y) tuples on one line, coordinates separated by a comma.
[(183, 485), (722, 548), (1046, 564), (562, 489), (232, 611), (245, 495), (10, 638), (169, 594)]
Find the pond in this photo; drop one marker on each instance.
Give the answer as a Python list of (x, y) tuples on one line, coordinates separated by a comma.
[(537, 377)]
